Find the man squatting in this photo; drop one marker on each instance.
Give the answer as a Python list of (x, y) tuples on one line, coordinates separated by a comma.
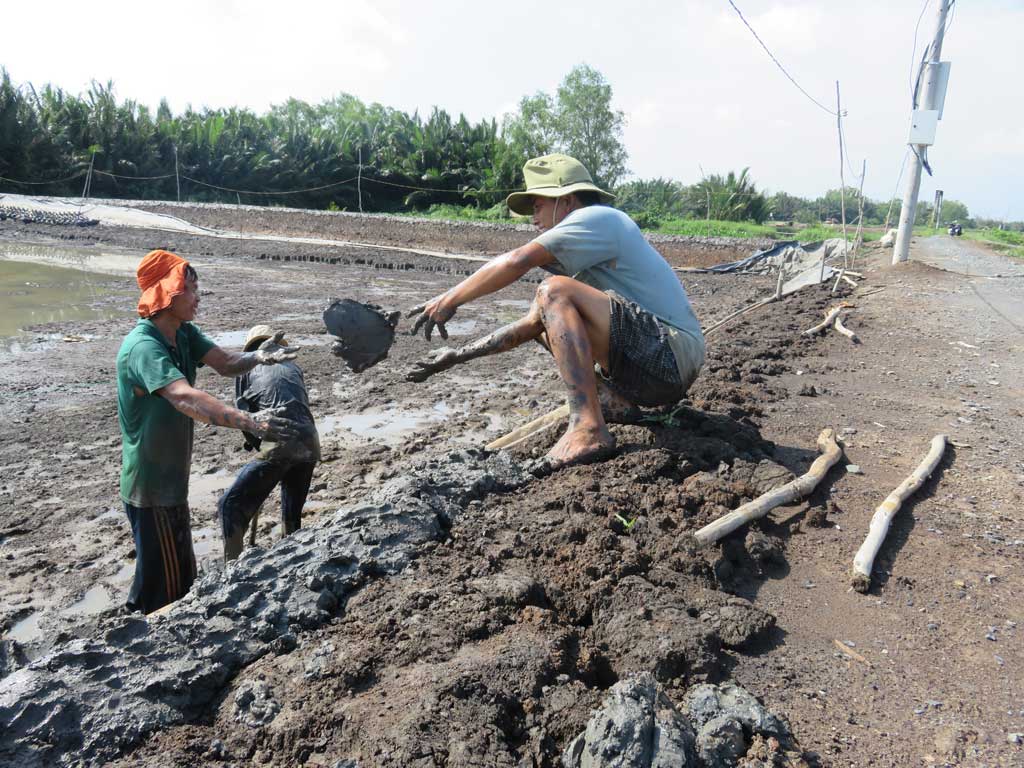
[(613, 300), (157, 404)]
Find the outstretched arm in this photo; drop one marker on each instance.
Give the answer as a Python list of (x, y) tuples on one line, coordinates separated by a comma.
[(493, 276), (269, 352), (204, 407)]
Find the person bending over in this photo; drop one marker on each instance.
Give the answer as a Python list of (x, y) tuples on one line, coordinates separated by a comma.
[(289, 463)]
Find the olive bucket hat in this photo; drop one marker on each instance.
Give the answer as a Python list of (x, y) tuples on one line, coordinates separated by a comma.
[(553, 176)]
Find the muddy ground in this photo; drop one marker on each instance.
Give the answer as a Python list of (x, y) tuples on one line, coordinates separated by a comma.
[(499, 639)]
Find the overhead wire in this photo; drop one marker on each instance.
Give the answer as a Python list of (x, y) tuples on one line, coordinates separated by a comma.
[(255, 192), (78, 175), (777, 63)]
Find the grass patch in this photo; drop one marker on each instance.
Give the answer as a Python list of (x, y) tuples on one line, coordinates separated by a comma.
[(1004, 241), (713, 228), (685, 227), (446, 212)]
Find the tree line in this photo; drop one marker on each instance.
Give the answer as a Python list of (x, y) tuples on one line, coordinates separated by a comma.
[(344, 154)]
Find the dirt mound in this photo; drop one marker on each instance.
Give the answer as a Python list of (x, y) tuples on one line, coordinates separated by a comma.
[(498, 640)]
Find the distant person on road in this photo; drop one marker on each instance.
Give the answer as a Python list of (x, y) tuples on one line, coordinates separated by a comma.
[(613, 301), (157, 404), (288, 463)]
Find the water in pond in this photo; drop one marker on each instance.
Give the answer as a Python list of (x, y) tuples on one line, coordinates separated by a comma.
[(204, 490), (93, 601), (389, 424), (204, 541), (27, 630), (46, 285), (460, 327)]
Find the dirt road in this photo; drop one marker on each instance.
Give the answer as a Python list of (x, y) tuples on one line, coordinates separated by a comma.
[(930, 664)]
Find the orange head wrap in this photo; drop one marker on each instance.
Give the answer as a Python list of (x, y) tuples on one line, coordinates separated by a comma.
[(161, 276)]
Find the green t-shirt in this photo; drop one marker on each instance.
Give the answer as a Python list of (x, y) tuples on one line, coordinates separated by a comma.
[(156, 439)]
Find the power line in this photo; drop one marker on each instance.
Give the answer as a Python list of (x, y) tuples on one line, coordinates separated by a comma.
[(254, 192), (781, 68), (78, 175), (133, 178)]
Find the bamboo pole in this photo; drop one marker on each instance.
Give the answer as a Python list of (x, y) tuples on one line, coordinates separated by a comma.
[(865, 558), (797, 489), (531, 428)]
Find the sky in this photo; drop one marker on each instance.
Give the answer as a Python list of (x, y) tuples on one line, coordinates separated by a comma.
[(698, 91)]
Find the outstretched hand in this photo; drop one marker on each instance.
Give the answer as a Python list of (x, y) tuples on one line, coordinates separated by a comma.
[(273, 425), (432, 313), (438, 360), (271, 351)]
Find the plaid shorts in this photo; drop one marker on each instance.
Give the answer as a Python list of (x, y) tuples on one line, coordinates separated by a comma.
[(642, 366)]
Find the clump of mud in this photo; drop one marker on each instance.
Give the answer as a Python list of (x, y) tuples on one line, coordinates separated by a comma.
[(365, 332)]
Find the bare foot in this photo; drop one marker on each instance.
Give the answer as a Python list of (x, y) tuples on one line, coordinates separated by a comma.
[(438, 360), (581, 445), (615, 408)]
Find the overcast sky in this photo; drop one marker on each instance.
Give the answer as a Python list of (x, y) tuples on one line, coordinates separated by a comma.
[(696, 88)]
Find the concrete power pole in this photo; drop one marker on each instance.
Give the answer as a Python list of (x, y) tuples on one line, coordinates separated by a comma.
[(922, 131)]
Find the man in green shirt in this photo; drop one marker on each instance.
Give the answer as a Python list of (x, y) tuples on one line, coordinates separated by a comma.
[(157, 405)]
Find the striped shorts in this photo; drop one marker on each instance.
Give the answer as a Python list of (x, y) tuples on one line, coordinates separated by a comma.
[(165, 565)]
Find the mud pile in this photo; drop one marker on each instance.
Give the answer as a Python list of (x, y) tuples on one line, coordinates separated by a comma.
[(91, 697), (498, 641)]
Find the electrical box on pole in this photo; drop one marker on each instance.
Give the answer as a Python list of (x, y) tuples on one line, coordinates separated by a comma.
[(933, 79)]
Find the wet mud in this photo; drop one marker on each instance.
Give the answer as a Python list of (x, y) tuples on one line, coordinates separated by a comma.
[(463, 613), (365, 332), (444, 607)]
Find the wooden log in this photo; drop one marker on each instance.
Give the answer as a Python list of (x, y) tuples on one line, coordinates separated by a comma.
[(830, 453), (829, 317), (865, 558), (529, 429), (845, 331)]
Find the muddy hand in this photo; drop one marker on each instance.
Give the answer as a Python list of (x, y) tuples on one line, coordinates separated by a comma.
[(429, 315), (273, 425), (271, 351), (438, 360)]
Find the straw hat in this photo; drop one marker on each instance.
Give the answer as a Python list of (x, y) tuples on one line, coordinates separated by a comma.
[(553, 176), (257, 335)]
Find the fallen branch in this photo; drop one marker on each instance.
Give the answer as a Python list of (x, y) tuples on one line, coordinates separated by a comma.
[(883, 516), (738, 313), (850, 652), (530, 429), (830, 453), (829, 317), (844, 330)]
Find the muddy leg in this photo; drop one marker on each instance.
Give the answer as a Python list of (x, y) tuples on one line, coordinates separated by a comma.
[(615, 408), (502, 340), (577, 319)]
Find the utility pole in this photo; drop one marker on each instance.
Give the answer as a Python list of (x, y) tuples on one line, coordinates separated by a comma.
[(177, 175), (922, 132), (937, 213), (359, 180)]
